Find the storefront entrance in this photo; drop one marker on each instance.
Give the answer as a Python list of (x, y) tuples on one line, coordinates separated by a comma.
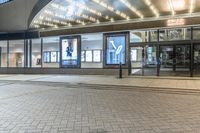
[(175, 60), (143, 60), (196, 64)]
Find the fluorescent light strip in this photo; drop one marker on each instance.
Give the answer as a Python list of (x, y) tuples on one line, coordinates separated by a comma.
[(132, 8), (171, 7), (62, 8), (192, 4), (62, 17), (110, 8), (152, 7), (84, 7)]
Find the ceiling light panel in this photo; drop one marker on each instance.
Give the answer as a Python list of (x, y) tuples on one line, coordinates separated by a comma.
[(192, 6), (132, 8), (170, 3), (111, 8), (152, 7)]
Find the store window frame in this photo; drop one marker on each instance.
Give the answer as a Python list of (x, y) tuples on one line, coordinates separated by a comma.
[(78, 37), (127, 42)]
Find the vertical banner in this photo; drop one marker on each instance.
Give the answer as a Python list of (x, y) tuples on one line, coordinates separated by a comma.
[(70, 51), (116, 48)]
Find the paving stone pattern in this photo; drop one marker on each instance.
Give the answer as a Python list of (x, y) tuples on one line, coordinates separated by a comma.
[(35, 108)]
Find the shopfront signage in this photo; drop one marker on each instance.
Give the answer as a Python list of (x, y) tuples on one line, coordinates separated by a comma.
[(175, 22)]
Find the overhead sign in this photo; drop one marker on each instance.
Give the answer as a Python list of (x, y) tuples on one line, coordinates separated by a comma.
[(175, 22)]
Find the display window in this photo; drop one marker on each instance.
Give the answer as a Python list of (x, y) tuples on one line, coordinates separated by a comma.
[(16, 53), (116, 50), (36, 53), (70, 48), (50, 52), (3, 52)]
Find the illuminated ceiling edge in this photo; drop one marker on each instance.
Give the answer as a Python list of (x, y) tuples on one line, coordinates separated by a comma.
[(36, 9), (126, 22)]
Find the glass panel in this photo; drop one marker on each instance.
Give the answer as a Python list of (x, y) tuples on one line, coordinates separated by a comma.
[(139, 36), (92, 47), (150, 62), (197, 59), (50, 50), (69, 52), (196, 33), (175, 34), (116, 50), (136, 60), (3, 51), (36, 53), (153, 35), (16, 55)]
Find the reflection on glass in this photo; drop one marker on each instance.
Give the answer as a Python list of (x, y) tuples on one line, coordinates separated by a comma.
[(153, 35), (97, 56), (175, 34), (138, 36), (53, 57), (196, 33), (88, 56), (16, 56), (3, 51), (82, 56), (115, 51), (50, 45), (69, 52), (36, 53)]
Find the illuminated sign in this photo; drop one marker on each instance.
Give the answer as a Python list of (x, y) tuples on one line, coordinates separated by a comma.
[(175, 22)]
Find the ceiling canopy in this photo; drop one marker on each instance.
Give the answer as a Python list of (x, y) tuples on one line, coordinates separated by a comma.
[(72, 13)]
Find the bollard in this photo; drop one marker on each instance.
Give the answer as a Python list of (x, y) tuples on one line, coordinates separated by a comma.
[(120, 70)]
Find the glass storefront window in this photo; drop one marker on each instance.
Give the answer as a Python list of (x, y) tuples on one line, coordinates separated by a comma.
[(175, 34), (116, 50), (36, 53), (92, 47), (196, 33), (153, 35), (16, 55), (51, 52), (3, 53), (139, 36), (70, 51)]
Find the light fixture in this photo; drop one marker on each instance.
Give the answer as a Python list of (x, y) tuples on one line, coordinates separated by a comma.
[(171, 7), (192, 5), (152, 7), (132, 8), (110, 8)]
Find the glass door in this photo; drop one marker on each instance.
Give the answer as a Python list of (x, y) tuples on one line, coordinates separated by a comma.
[(182, 60), (197, 60), (137, 60), (175, 60)]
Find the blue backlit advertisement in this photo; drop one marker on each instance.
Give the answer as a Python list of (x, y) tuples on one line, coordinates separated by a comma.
[(116, 50), (69, 52)]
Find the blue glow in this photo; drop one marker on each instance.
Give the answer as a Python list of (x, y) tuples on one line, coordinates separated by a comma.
[(116, 50), (4, 1)]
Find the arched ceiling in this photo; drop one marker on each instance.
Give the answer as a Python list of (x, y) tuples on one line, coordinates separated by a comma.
[(69, 13), (14, 15)]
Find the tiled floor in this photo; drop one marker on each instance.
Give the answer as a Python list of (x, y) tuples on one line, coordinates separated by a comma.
[(30, 106)]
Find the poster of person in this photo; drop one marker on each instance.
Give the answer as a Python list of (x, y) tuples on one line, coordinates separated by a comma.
[(69, 52)]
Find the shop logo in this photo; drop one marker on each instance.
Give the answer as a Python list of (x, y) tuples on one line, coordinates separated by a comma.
[(175, 22), (118, 49)]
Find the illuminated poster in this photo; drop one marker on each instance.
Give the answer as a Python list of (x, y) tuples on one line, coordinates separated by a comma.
[(53, 56), (46, 57), (116, 50), (133, 55), (69, 52), (88, 56), (97, 56), (83, 56)]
